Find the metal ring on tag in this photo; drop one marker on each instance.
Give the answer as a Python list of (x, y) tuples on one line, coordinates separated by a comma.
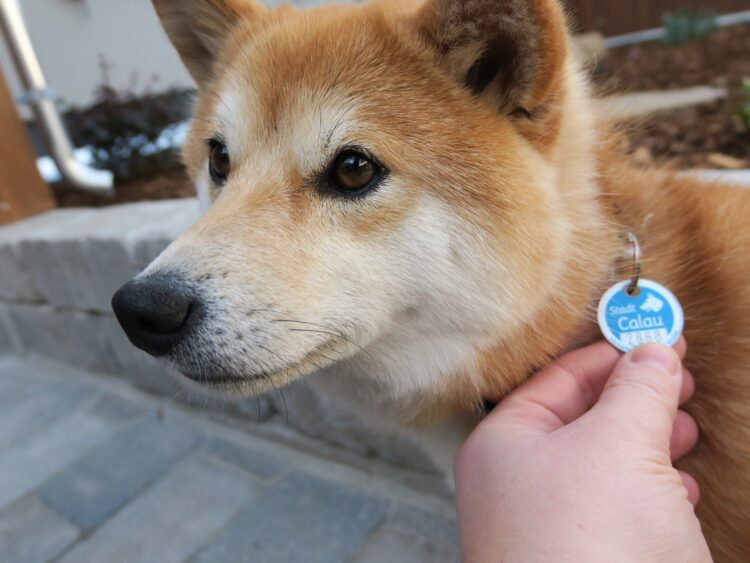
[(633, 285)]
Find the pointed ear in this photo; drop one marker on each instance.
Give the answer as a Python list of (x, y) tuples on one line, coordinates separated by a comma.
[(511, 52), (199, 29)]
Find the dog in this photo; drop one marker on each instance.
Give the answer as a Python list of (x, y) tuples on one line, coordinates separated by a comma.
[(415, 205)]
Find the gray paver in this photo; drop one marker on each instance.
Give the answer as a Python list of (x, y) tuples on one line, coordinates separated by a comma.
[(96, 485), (412, 536), (314, 413), (22, 380), (114, 408), (10, 343), (33, 413), (76, 258), (172, 519), (15, 283), (300, 519), (75, 338), (255, 462), (31, 461), (167, 488), (31, 532)]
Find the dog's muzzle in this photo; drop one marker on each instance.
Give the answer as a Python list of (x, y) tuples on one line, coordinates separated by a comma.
[(157, 312)]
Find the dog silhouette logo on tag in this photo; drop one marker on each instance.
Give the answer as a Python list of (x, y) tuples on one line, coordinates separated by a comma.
[(652, 315)]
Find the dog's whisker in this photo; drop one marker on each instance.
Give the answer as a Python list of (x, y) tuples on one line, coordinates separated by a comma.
[(286, 409), (328, 330)]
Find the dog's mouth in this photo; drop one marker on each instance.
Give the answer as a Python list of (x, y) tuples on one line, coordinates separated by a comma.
[(239, 381)]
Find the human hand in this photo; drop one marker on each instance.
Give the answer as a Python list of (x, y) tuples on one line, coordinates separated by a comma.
[(576, 465)]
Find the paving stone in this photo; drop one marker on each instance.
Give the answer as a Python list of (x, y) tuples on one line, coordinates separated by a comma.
[(393, 546), (33, 460), (89, 342), (74, 338), (99, 483), (314, 414), (43, 225), (300, 519), (170, 521), (7, 362), (254, 461), (16, 284), (10, 343), (36, 411), (256, 409), (77, 273), (31, 532), (114, 408), (36, 367), (412, 536), (78, 258), (21, 380), (205, 507)]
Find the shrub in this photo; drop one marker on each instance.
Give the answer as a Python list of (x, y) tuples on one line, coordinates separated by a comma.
[(744, 109), (687, 25), (129, 134)]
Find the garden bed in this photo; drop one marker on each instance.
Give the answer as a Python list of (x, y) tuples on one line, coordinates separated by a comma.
[(170, 184), (711, 135), (134, 137)]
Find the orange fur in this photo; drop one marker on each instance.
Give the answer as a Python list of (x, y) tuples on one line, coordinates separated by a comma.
[(481, 115)]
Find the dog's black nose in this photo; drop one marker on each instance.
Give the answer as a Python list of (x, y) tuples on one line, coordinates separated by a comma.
[(156, 312)]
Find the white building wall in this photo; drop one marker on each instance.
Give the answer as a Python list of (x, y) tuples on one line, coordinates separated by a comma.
[(71, 36)]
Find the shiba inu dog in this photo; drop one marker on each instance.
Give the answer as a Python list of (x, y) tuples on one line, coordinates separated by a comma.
[(415, 206)]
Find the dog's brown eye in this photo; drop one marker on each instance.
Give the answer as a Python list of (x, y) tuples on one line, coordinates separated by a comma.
[(353, 172), (218, 162)]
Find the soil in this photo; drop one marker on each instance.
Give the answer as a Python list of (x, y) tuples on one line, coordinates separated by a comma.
[(171, 184), (707, 136)]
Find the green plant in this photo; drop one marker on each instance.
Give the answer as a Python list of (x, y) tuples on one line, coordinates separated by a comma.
[(744, 109), (686, 25)]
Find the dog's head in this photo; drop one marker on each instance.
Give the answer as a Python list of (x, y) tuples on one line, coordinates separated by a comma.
[(383, 191)]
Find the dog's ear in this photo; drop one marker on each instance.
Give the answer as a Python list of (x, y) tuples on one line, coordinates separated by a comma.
[(511, 52), (199, 29)]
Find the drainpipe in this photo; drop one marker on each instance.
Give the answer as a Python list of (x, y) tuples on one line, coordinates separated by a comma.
[(40, 97)]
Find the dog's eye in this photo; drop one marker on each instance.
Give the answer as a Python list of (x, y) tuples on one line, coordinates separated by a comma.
[(218, 162), (353, 173)]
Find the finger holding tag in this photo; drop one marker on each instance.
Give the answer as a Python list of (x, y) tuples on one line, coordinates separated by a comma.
[(639, 311)]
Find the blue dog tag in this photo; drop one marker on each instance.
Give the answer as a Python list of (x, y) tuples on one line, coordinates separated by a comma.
[(652, 316)]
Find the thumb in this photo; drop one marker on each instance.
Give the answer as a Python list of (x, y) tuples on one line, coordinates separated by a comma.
[(642, 394)]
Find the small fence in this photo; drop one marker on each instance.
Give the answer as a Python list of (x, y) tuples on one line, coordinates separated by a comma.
[(613, 17)]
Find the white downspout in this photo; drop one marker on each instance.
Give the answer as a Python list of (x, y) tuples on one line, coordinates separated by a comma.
[(40, 98)]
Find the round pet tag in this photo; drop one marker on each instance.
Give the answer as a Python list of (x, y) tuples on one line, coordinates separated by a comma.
[(652, 315)]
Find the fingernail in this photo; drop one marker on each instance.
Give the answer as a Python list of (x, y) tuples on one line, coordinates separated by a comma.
[(658, 357)]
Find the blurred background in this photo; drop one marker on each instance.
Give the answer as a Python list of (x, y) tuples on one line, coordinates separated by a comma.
[(103, 457), (123, 92)]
